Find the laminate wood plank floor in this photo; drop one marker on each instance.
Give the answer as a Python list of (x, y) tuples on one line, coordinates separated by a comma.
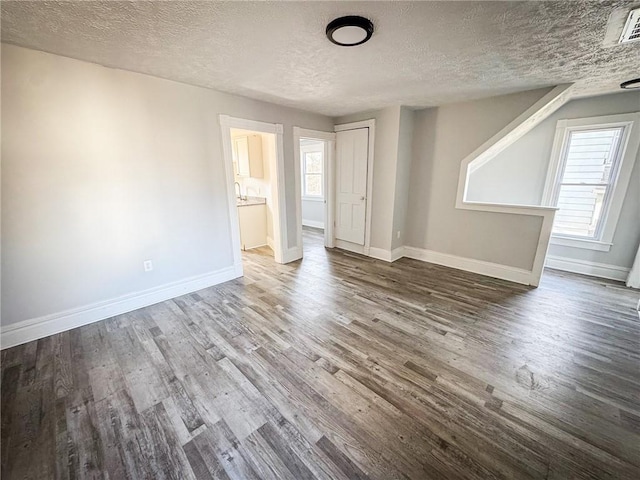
[(337, 367)]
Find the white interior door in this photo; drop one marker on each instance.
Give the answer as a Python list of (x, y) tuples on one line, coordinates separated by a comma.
[(352, 148)]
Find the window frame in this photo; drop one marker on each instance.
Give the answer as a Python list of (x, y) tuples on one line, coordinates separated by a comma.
[(303, 151), (618, 183)]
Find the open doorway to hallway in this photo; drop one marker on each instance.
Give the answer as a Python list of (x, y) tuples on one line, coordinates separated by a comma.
[(313, 189)]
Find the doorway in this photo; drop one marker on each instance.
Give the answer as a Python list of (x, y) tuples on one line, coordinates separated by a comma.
[(314, 151), (254, 170)]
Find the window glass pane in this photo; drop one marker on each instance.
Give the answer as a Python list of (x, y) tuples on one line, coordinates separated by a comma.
[(313, 162), (313, 184), (590, 155), (580, 207)]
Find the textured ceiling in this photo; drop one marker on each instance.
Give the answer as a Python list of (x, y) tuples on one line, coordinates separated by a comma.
[(422, 53)]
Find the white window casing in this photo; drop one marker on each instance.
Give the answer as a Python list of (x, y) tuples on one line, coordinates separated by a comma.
[(587, 188)]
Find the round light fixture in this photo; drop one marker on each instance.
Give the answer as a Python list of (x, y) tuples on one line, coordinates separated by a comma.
[(631, 84), (350, 31)]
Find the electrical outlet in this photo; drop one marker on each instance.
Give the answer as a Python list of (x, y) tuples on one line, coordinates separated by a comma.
[(398, 234), (148, 265)]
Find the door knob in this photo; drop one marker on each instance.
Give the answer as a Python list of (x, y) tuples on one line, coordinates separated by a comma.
[(361, 198)]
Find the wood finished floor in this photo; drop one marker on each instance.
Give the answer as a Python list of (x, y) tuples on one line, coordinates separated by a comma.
[(340, 367)]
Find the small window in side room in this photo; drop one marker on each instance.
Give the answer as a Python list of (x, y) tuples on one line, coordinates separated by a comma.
[(312, 178)]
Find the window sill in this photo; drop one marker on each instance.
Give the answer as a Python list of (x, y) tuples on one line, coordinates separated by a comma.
[(581, 243), (313, 199)]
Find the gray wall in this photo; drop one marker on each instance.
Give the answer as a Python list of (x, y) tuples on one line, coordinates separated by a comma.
[(517, 175), (403, 177), (103, 169), (442, 138)]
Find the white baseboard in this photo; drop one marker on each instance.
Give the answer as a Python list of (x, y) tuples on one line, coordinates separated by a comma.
[(593, 269), (489, 269), (35, 328), (495, 270), (386, 255), (312, 223), (270, 243), (352, 247), (292, 255)]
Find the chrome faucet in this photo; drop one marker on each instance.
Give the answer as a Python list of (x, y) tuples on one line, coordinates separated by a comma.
[(238, 191)]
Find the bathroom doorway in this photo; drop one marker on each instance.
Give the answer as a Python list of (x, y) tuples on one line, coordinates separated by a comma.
[(254, 171)]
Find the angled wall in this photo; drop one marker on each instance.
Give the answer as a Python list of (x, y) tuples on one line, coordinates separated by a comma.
[(443, 136), (517, 175)]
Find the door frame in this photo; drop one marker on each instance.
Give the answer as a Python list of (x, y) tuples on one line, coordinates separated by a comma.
[(371, 125), (280, 241), (329, 139)]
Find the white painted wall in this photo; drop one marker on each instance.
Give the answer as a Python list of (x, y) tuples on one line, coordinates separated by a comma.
[(517, 176), (313, 213), (442, 137), (104, 168)]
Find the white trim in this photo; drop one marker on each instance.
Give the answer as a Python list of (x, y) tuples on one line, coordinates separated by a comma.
[(628, 151), (329, 163), (489, 269), (516, 129), (312, 223), (579, 243), (313, 199), (593, 269), (533, 210), (354, 125), (232, 203), (386, 255), (35, 328), (292, 254), (314, 134), (371, 125), (351, 247), (280, 241)]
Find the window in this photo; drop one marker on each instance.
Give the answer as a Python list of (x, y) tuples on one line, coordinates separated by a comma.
[(591, 158), (587, 181), (312, 178)]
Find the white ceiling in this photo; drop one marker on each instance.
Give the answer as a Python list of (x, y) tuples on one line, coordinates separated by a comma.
[(421, 54)]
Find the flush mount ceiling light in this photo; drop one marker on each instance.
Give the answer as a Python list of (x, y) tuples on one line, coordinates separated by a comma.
[(349, 31), (631, 84)]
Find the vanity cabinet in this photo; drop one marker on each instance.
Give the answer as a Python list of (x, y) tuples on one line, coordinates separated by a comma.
[(253, 225), (247, 151)]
